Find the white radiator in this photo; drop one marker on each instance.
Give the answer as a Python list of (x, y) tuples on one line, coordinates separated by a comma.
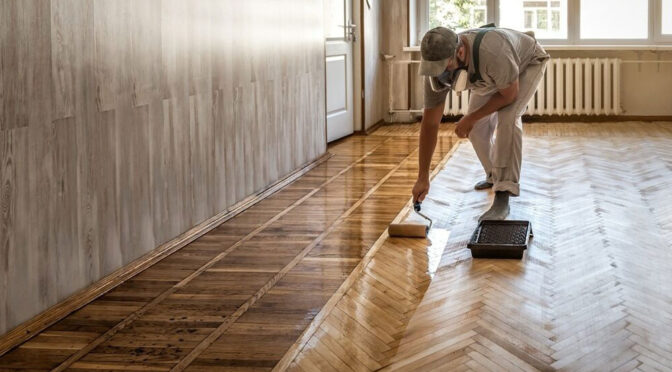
[(571, 86)]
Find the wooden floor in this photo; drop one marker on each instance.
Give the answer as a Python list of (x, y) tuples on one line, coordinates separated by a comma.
[(308, 279), (240, 296), (593, 292)]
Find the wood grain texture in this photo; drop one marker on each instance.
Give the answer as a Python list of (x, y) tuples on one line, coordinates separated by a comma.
[(394, 27), (335, 299), (242, 293), (45, 319), (375, 69), (249, 288), (125, 123), (592, 292)]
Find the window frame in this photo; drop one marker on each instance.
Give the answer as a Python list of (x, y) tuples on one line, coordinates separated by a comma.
[(658, 24), (419, 21)]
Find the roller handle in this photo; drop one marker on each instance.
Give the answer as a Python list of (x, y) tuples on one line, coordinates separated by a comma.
[(416, 207)]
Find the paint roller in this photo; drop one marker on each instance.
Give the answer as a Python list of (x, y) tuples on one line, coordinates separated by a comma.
[(410, 230)]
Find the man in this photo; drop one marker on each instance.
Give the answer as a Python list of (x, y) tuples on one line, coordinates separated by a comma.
[(510, 66)]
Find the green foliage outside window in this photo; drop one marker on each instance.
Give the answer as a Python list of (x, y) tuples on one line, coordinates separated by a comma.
[(542, 16), (457, 14)]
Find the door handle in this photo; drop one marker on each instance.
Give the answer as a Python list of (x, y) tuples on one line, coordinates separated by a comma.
[(350, 31)]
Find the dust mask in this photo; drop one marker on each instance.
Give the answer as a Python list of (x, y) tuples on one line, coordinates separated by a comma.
[(451, 79), (455, 80)]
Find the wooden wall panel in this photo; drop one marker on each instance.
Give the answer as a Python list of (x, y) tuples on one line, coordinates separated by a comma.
[(375, 69), (385, 33), (395, 26), (124, 123)]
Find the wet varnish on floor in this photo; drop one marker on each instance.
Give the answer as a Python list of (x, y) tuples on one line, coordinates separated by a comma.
[(239, 297)]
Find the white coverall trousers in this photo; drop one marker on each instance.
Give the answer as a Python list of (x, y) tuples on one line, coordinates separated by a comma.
[(501, 154)]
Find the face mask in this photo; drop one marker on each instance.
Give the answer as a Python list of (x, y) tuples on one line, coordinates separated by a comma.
[(455, 79)]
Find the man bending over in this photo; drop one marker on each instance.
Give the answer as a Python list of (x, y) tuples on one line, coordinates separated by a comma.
[(502, 68)]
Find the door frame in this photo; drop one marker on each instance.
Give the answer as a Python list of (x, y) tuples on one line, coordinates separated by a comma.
[(358, 63), (358, 73)]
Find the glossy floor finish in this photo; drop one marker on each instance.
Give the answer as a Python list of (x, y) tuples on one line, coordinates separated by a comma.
[(592, 293), (239, 297)]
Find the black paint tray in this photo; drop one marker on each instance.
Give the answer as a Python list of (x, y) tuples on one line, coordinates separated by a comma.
[(500, 239)]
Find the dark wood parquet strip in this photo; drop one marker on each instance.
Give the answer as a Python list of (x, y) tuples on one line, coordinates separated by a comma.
[(239, 278), (223, 328), (37, 324), (169, 329), (221, 355), (143, 288)]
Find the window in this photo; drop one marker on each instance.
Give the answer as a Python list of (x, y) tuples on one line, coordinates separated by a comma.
[(529, 19), (548, 19), (555, 21), (580, 22), (666, 17), (625, 19), (458, 15)]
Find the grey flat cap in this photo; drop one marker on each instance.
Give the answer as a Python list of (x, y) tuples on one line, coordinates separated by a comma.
[(437, 47)]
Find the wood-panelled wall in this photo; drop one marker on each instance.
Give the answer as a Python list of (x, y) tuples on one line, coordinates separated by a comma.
[(385, 32), (387, 29), (124, 123), (375, 68)]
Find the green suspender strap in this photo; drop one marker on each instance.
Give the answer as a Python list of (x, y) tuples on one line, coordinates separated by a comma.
[(477, 44)]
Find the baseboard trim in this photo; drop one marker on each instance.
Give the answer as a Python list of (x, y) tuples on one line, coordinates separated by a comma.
[(591, 119), (38, 323), (375, 127), (578, 118), (372, 129)]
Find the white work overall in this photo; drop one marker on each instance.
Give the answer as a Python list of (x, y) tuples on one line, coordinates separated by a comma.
[(501, 154)]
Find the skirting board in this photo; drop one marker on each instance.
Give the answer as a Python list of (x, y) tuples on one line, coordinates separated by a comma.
[(577, 118), (374, 127), (368, 131), (591, 119), (38, 323)]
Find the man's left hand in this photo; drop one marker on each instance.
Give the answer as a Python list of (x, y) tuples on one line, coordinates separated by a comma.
[(464, 126)]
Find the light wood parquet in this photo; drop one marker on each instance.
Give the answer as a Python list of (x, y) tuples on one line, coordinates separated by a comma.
[(240, 295), (592, 293)]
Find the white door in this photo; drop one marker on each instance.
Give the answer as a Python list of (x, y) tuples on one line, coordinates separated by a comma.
[(340, 35)]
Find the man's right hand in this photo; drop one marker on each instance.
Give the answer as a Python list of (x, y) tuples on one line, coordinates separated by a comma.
[(420, 189)]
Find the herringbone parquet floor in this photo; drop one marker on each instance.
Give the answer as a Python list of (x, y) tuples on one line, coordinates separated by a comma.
[(593, 292)]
